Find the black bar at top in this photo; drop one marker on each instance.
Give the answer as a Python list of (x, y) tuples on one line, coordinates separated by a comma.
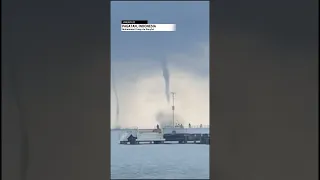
[(134, 22)]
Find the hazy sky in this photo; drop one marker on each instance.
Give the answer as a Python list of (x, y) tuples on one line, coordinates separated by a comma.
[(136, 62)]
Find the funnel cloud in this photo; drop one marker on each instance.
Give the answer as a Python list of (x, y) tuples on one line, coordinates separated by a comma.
[(166, 76), (117, 125)]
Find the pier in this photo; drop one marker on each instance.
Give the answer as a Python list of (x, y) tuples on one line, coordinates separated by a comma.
[(181, 135), (174, 133)]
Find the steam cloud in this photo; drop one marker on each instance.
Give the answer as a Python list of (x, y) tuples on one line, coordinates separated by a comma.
[(117, 99), (166, 76)]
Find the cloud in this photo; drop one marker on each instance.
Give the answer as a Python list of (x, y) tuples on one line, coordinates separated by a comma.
[(140, 86)]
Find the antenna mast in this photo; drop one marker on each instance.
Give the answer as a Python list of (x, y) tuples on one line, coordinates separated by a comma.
[(173, 96)]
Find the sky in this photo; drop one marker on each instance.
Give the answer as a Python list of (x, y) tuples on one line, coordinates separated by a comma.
[(136, 59)]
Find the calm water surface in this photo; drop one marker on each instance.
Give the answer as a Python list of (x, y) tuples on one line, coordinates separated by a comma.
[(158, 161)]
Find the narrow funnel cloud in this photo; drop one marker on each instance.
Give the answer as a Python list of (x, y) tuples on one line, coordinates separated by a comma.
[(166, 76), (117, 99)]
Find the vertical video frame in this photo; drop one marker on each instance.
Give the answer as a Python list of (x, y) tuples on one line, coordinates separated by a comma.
[(160, 90)]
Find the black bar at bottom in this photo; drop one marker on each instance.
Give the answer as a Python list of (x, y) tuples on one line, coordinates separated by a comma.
[(134, 22)]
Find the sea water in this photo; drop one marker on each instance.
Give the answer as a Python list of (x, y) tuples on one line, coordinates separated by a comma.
[(158, 161)]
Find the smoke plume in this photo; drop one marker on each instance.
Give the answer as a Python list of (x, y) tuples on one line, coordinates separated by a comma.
[(117, 99), (166, 76)]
